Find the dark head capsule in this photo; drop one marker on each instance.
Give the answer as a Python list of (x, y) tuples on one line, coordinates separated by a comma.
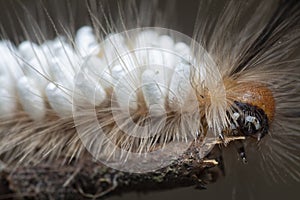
[(249, 120)]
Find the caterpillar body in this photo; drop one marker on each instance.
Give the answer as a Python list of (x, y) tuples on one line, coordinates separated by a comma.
[(127, 91)]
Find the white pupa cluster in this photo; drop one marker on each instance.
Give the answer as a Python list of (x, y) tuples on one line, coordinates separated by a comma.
[(44, 76)]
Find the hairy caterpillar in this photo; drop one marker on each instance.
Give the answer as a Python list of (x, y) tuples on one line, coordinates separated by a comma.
[(252, 55)]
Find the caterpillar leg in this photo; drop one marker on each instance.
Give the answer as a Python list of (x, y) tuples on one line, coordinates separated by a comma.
[(239, 145)]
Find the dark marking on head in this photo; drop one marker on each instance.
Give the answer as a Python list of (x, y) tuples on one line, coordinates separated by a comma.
[(249, 120)]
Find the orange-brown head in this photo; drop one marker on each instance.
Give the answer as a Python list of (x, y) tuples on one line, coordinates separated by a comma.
[(255, 94), (253, 107)]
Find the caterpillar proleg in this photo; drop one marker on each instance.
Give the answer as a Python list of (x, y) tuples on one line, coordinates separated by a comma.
[(126, 87)]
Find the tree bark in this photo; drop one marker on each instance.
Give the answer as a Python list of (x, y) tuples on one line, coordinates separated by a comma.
[(88, 179)]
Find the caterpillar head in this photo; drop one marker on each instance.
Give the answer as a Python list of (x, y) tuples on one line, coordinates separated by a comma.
[(253, 110), (250, 120)]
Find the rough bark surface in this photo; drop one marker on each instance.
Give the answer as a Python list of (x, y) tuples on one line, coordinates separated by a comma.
[(88, 179)]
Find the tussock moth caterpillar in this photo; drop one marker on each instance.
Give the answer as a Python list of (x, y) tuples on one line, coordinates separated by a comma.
[(125, 92)]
